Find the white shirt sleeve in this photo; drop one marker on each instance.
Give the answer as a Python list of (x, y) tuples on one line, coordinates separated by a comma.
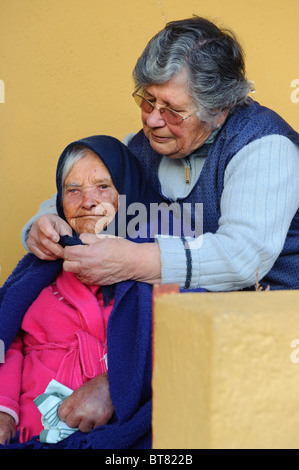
[(127, 139), (259, 201), (47, 207)]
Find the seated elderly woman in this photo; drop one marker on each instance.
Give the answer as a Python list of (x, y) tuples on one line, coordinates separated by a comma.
[(96, 341)]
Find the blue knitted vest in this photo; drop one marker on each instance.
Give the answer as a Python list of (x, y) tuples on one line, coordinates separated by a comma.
[(244, 126)]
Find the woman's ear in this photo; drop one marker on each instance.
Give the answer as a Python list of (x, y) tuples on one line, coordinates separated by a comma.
[(219, 120)]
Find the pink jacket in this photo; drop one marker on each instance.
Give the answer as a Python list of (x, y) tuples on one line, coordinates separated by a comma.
[(63, 337)]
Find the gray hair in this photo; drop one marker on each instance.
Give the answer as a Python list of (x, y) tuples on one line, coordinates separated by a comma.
[(213, 59), (73, 156)]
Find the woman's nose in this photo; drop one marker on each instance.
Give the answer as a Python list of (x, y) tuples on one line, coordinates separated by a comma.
[(155, 119), (89, 199)]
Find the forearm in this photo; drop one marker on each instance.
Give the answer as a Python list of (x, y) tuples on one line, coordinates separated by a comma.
[(147, 264), (223, 262)]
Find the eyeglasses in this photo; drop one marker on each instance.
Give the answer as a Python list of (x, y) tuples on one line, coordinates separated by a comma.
[(169, 115)]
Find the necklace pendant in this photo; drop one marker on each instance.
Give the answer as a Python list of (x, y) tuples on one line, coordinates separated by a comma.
[(187, 174)]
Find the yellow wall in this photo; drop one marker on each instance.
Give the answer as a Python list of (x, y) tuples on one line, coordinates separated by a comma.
[(226, 371), (65, 73)]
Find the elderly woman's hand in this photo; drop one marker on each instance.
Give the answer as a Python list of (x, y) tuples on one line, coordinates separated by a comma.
[(7, 428), (44, 236), (108, 260), (89, 406)]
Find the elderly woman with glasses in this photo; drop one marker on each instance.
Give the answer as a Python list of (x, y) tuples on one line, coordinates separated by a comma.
[(203, 141)]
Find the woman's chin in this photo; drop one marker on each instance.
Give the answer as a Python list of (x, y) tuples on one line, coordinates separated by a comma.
[(85, 226)]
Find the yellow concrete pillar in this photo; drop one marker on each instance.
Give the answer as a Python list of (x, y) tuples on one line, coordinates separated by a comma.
[(226, 372)]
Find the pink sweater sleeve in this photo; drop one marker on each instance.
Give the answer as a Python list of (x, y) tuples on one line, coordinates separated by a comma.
[(10, 379)]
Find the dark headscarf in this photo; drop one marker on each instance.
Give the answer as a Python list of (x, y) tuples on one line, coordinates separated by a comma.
[(126, 173)]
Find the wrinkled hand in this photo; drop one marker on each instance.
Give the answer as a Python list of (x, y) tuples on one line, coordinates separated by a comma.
[(89, 406), (101, 261), (7, 428), (44, 236), (105, 260)]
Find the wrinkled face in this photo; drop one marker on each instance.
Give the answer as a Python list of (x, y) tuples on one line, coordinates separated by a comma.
[(174, 141), (90, 199)]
